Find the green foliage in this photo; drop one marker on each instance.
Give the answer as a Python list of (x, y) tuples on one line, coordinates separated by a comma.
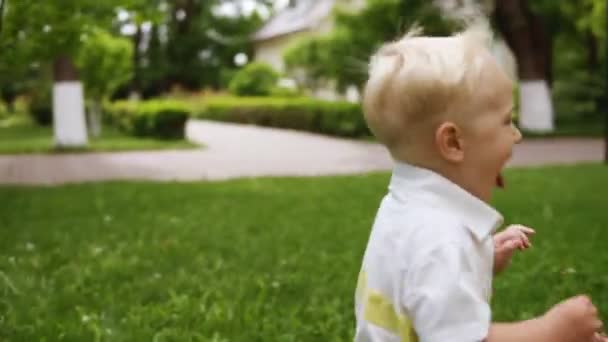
[(41, 107), (597, 18), (190, 52), (255, 79), (41, 31), (578, 87), (306, 59), (164, 119), (333, 118), (194, 51), (285, 92), (257, 259), (568, 17), (577, 30), (3, 111), (105, 62), (343, 55), (577, 94)]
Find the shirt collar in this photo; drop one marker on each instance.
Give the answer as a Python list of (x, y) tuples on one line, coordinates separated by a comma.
[(412, 182)]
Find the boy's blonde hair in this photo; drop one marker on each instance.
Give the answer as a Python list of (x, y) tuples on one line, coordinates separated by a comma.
[(417, 81)]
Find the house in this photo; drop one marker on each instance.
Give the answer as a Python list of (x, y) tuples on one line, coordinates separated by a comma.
[(301, 18)]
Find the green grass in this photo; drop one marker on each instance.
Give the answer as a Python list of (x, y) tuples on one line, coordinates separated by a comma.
[(28, 138), (256, 259)]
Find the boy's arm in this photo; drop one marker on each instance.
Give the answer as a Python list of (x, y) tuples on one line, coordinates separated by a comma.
[(573, 320), (533, 330)]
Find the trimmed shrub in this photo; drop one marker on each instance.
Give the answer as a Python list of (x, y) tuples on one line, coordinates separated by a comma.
[(333, 118), (255, 79), (285, 92), (164, 119)]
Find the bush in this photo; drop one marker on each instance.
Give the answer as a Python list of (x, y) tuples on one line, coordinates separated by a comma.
[(41, 109), (333, 118), (578, 96), (164, 119), (256, 79), (285, 92), (3, 111)]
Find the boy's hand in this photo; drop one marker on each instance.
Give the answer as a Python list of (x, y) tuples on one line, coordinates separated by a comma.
[(574, 320), (507, 242)]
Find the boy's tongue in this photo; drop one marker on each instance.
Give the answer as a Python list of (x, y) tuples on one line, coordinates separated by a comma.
[(500, 181)]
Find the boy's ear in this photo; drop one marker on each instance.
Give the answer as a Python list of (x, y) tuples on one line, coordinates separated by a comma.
[(449, 142)]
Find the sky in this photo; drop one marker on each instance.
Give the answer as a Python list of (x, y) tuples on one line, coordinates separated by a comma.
[(248, 6)]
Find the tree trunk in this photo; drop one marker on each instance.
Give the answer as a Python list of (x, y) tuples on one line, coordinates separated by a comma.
[(593, 58), (2, 3), (606, 98), (532, 45), (181, 46), (135, 92), (94, 118), (64, 69), (68, 105)]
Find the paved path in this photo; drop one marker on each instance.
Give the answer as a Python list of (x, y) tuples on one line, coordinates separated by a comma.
[(247, 151)]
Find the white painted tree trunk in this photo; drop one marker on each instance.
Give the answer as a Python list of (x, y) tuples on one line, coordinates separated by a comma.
[(94, 118), (535, 106), (68, 114)]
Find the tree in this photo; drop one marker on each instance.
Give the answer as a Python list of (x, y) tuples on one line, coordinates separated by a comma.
[(106, 63), (186, 43), (139, 13), (526, 35), (51, 32), (205, 43), (537, 32), (2, 3)]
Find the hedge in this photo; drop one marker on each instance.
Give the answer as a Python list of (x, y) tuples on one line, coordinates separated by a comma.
[(164, 119), (332, 118)]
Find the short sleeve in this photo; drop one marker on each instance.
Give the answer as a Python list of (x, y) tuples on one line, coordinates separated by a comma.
[(443, 298)]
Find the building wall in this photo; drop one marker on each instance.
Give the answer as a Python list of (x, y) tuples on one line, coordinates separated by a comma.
[(271, 51)]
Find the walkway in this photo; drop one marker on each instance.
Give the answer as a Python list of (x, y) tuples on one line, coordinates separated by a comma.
[(234, 151)]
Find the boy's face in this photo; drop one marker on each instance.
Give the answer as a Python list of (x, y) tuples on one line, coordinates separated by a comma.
[(491, 134)]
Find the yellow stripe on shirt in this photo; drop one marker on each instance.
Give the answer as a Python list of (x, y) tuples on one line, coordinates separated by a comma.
[(379, 311)]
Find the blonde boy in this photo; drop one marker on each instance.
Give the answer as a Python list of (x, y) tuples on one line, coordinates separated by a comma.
[(442, 107)]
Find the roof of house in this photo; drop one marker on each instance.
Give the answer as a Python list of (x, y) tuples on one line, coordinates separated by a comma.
[(305, 15)]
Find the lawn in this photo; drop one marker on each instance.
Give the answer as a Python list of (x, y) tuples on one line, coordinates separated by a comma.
[(256, 259), (30, 138)]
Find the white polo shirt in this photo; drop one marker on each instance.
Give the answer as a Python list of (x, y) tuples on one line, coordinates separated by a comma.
[(427, 269)]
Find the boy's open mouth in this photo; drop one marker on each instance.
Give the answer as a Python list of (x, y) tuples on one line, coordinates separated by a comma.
[(500, 181)]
